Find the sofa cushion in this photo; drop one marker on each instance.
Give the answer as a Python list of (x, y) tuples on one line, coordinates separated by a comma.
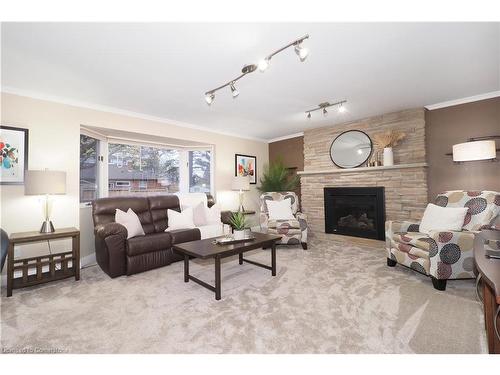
[(291, 223), (180, 220), (211, 230), (149, 243), (416, 239), (104, 209), (184, 235), (442, 218), (484, 206), (130, 221), (284, 230), (159, 205)]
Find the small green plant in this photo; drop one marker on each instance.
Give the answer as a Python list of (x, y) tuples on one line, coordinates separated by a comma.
[(277, 177), (238, 221)]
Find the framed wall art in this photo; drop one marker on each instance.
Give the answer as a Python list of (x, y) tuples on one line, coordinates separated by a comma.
[(13, 155), (246, 165)]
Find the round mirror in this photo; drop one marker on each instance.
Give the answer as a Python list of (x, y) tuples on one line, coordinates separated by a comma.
[(351, 149)]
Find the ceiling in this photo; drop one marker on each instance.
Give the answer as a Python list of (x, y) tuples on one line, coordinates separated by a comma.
[(164, 69)]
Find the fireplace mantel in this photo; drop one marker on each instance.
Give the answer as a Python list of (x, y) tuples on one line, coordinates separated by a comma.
[(362, 169)]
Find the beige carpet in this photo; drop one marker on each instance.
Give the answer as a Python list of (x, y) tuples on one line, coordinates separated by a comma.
[(334, 298)]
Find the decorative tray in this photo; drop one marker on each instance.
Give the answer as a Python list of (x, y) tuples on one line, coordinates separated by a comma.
[(228, 240)]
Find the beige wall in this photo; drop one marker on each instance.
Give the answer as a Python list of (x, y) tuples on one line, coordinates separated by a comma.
[(448, 126), (54, 143)]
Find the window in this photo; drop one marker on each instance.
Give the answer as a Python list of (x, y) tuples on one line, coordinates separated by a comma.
[(113, 167), (199, 171), (142, 170), (89, 169)]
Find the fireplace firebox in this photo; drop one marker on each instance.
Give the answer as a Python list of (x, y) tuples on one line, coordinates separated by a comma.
[(355, 211)]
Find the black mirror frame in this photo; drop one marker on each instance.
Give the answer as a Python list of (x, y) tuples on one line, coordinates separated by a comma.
[(364, 161)]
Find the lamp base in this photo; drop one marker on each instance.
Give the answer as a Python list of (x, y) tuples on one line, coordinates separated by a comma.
[(47, 227)]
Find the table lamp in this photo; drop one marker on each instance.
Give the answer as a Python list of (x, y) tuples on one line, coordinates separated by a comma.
[(241, 184), (45, 183)]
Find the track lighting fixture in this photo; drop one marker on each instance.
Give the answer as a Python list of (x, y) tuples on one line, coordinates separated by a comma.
[(325, 105), (301, 51), (234, 92), (209, 97), (262, 66)]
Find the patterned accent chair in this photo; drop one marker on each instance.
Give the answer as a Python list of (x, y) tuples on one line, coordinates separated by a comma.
[(292, 232), (443, 255)]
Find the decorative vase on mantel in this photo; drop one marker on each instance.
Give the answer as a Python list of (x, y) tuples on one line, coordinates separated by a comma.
[(388, 156)]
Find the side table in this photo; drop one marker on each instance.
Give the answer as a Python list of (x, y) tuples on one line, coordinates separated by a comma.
[(489, 275), (51, 260)]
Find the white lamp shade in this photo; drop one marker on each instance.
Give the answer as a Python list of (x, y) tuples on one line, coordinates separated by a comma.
[(241, 183), (45, 182), (477, 150)]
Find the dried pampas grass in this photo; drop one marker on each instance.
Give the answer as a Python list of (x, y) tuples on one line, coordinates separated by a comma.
[(390, 138)]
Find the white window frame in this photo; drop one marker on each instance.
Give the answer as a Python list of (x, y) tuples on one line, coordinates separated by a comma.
[(104, 140), (102, 160)]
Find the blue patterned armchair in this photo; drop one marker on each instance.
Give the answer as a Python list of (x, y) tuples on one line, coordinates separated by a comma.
[(293, 231), (443, 255)]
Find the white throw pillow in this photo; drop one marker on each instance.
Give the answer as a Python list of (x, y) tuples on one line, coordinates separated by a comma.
[(130, 221), (212, 214), (280, 210), (442, 218), (203, 215), (187, 200), (180, 220)]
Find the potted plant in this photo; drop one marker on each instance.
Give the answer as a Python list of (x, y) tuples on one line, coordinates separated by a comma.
[(387, 141), (238, 222), (277, 177)]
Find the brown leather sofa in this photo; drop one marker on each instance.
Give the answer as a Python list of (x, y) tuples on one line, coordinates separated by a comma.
[(118, 256)]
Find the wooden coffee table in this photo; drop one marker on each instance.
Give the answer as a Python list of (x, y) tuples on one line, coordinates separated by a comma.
[(205, 249)]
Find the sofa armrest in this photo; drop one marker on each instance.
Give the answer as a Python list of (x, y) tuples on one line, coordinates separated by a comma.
[(225, 217), (451, 254), (184, 235), (110, 229), (396, 226), (110, 248), (302, 218)]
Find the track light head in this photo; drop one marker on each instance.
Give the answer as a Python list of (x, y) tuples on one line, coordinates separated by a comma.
[(209, 97), (263, 64), (325, 112), (234, 92), (342, 109), (302, 52), (309, 115)]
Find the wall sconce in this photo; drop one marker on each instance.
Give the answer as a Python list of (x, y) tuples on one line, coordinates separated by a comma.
[(477, 148)]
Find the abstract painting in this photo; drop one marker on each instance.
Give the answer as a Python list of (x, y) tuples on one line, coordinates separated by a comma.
[(13, 155), (246, 165)]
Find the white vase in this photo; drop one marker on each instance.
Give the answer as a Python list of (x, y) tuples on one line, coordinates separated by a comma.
[(238, 234), (388, 156)]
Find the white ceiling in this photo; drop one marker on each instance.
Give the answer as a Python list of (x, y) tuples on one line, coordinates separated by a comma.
[(163, 70)]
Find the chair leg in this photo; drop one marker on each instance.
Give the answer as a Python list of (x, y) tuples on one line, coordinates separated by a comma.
[(304, 245), (391, 262), (438, 284)]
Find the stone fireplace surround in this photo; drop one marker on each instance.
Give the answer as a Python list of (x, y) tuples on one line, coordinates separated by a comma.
[(405, 184)]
